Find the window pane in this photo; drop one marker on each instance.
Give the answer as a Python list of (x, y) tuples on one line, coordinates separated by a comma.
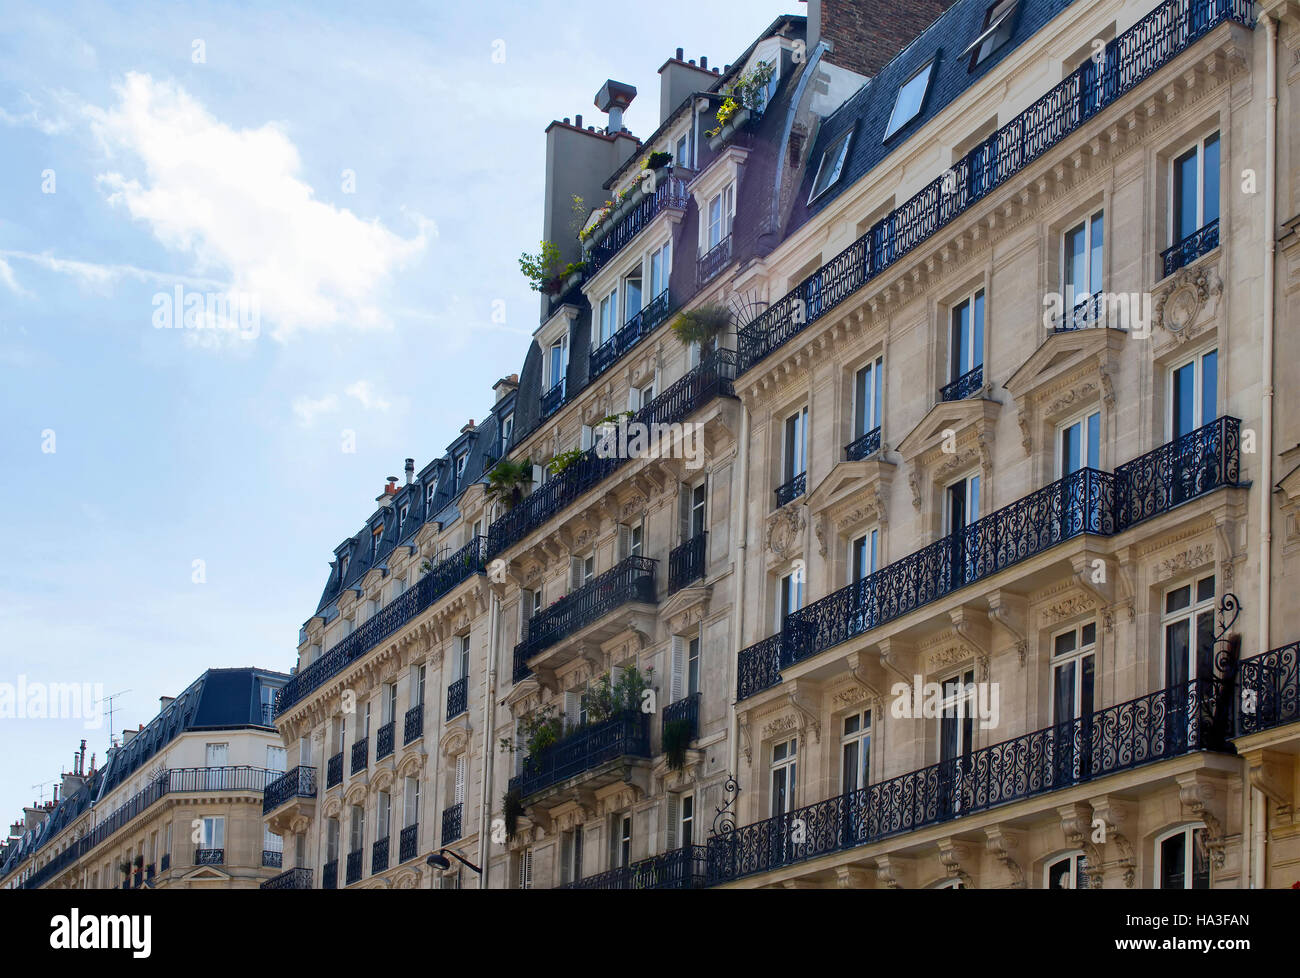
[(1094, 438), (1184, 202), (1070, 449), (1211, 174), (1095, 260), (977, 330), (1209, 386), (1183, 403), (910, 97), (1075, 268)]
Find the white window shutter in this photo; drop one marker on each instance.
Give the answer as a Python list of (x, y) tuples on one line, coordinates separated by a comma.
[(673, 817), (566, 857), (624, 541), (615, 825), (571, 705), (586, 437), (539, 476), (684, 513), (575, 573), (678, 668), (460, 780), (633, 399)]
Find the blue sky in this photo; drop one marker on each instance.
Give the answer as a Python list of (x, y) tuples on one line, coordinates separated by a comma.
[(228, 174)]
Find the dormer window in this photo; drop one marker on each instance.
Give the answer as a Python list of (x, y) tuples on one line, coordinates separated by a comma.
[(343, 568), (832, 164), (461, 459), (374, 542), (430, 491), (997, 31), (911, 97), (507, 430), (401, 518)]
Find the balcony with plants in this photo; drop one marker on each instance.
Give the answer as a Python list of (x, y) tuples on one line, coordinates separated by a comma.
[(741, 105), (637, 328), (654, 191)]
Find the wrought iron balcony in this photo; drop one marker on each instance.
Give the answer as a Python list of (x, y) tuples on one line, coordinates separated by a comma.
[(685, 709), (209, 857), (552, 399), (670, 192), (165, 863), (354, 866), (1130, 59), (360, 755), (792, 490), (1088, 501), (864, 447), (1270, 690), (1090, 312), (272, 858), (458, 697), (631, 579), (149, 873), (379, 855), (384, 740), (627, 734), (329, 877), (268, 715), (297, 878), (408, 843), (441, 578), (686, 563), (633, 331), (413, 725), (712, 378), (964, 386), (1167, 723), (1200, 242), (713, 261), (298, 783), (451, 823), (678, 869), (334, 770)]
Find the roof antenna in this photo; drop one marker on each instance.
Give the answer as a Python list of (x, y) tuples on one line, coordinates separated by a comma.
[(112, 741), (42, 787)]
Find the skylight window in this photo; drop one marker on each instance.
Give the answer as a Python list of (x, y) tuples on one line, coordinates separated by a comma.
[(831, 166), (997, 31), (911, 96)]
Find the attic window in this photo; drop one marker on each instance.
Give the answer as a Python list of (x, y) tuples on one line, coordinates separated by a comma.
[(401, 518), (374, 541), (429, 493), (343, 568), (997, 31), (911, 96), (831, 165)]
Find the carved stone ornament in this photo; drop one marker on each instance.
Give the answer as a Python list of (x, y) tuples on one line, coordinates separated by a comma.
[(784, 531), (1178, 305)]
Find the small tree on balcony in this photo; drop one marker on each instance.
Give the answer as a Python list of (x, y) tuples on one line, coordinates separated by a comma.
[(702, 325), (605, 699), (508, 481)]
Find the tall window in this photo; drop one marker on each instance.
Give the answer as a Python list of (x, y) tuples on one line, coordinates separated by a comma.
[(721, 210), (213, 832), (1193, 393), (682, 155), (358, 828), (957, 720), (417, 684), (632, 294), (1182, 860), (868, 398), (1188, 621), (608, 321), (1073, 667), (383, 815), (524, 864), (1194, 189), (1079, 444), (410, 802), (660, 269), (784, 775), (791, 596), (1081, 260), (863, 554), (695, 523), (963, 503), (557, 361), (794, 456), (276, 758), (1070, 872), (571, 855), (966, 338), (507, 429), (855, 751), (620, 854), (693, 666), (462, 656), (389, 702)]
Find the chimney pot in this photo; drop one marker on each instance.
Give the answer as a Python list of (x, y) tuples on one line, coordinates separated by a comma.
[(577, 120), (681, 53), (704, 62), (692, 61), (410, 471)]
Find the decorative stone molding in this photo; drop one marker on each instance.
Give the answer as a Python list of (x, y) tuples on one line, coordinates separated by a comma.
[(1070, 607), (1000, 844), (784, 530), (1178, 303), (1195, 792), (1193, 558), (952, 853), (1076, 826), (1114, 814)]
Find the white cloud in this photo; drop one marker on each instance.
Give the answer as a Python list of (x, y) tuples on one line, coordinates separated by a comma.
[(307, 408), (34, 117), (7, 277), (96, 275), (234, 200), (362, 392)]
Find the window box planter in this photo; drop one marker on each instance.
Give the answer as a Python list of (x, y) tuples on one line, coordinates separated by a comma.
[(734, 125)]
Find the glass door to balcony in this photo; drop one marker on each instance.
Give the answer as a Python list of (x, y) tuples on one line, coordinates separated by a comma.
[(1073, 662), (963, 513), (855, 770), (216, 758), (784, 774), (956, 731), (1188, 621)]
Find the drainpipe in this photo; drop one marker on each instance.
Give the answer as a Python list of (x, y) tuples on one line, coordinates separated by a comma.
[(1260, 824), (738, 598), (1266, 373), (489, 701)]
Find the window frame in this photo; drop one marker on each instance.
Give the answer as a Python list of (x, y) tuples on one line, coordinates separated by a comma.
[(897, 124), (842, 143), (1087, 223), (1085, 437), (1196, 146)]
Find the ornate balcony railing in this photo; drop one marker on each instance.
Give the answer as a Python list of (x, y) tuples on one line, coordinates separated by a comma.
[(329, 877), (451, 823), (678, 869), (165, 863), (632, 332), (444, 576), (669, 192), (360, 755), (408, 843), (1199, 242), (1130, 59), (268, 715), (686, 563), (298, 878), (354, 866), (1087, 501), (687, 708), (272, 858), (631, 579), (298, 783), (384, 740), (379, 855), (964, 386), (792, 490), (1090, 312), (712, 378), (713, 261), (334, 770), (209, 857), (458, 697), (413, 725), (552, 399), (1270, 690), (627, 734), (864, 447), (149, 873), (1167, 723)]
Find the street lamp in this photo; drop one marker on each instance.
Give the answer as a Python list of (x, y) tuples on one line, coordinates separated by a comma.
[(439, 860)]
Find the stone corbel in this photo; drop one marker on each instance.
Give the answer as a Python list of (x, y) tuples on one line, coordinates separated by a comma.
[(913, 483), (851, 878), (1026, 432), (894, 872), (546, 678), (742, 724), (808, 718), (1076, 825), (854, 662), (952, 853), (961, 624), (890, 651), (1196, 793), (1114, 814), (1000, 844), (1009, 611), (1224, 531), (1103, 591), (1270, 773)]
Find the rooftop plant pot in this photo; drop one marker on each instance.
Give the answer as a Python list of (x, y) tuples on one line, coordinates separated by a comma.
[(734, 125)]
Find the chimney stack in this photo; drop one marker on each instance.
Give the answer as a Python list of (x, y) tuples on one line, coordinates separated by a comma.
[(679, 79), (865, 35), (613, 98), (410, 471)]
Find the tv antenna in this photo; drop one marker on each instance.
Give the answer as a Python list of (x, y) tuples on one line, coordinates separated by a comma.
[(109, 699), (42, 786)]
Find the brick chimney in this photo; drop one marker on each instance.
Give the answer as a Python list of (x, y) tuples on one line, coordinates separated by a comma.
[(865, 35)]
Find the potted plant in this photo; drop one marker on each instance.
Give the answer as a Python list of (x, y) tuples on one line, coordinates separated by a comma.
[(676, 740), (562, 461), (702, 325), (743, 99), (512, 809), (507, 482), (546, 270), (657, 161)]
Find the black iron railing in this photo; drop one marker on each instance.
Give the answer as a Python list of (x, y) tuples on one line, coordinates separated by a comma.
[(334, 770), (354, 866), (791, 490), (408, 843), (627, 734), (864, 447), (964, 386), (713, 261), (413, 725), (687, 710), (384, 739), (1130, 59), (632, 332), (379, 855), (268, 715), (678, 869), (360, 755), (272, 858), (1167, 723), (1090, 312), (451, 823), (458, 697), (687, 563), (444, 576), (1087, 501), (631, 579), (209, 857), (712, 378), (298, 783), (297, 878), (1199, 242), (670, 191), (552, 400), (329, 877), (1269, 690), (165, 863), (149, 873)]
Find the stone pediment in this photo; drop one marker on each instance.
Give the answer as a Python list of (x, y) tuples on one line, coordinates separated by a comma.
[(455, 737), (686, 608), (925, 442), (852, 493), (1066, 373)]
